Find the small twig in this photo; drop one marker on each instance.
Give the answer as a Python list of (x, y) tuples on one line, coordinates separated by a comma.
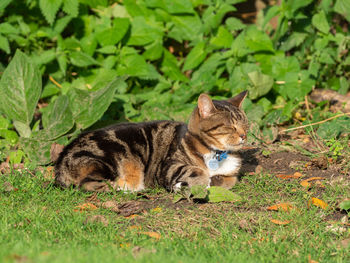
[(55, 82), (319, 122), (308, 107)]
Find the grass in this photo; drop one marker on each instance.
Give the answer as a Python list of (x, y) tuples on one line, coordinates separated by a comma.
[(38, 224)]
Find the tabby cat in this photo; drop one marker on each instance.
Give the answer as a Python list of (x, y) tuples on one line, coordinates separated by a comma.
[(135, 156)]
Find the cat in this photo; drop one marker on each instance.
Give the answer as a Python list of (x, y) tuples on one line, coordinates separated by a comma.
[(135, 156)]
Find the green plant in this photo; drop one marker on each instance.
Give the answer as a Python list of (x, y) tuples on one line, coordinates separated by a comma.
[(84, 64)]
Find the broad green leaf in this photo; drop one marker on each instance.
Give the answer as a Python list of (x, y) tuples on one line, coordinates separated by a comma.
[(220, 194), (260, 84), (143, 33), (133, 64), (343, 7), (334, 128), (153, 51), (71, 7), (213, 16), (4, 3), (95, 3), (223, 38), (199, 192), (4, 44), (185, 28), (170, 67), (178, 6), (44, 57), (88, 107), (234, 24), (10, 136), (7, 28), (81, 59), (195, 57), (57, 118), (137, 8), (49, 9), (345, 205), (113, 35), (20, 89), (257, 40), (37, 150), (320, 22)]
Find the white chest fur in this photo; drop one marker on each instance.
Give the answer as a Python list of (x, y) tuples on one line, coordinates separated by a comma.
[(229, 166)]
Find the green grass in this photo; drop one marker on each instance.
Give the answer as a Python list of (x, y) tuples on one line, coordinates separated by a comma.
[(39, 224)]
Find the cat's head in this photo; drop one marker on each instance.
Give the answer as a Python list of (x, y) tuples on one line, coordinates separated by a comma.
[(221, 124)]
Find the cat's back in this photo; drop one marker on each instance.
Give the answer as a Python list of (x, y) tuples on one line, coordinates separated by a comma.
[(144, 144)]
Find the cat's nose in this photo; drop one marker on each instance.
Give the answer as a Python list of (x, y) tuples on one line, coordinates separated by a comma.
[(243, 136)]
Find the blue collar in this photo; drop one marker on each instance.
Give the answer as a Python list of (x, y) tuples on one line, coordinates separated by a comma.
[(220, 155), (214, 162)]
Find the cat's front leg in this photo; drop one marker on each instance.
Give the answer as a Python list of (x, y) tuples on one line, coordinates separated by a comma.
[(191, 176), (224, 181)]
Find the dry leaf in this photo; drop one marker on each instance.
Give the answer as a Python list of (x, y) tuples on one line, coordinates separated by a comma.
[(85, 207), (281, 206), (151, 234), (135, 227), (311, 260), (111, 205), (318, 202), (305, 183), (289, 176), (156, 210), (314, 178), (279, 222), (131, 216)]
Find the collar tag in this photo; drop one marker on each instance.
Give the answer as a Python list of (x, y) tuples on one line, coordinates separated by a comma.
[(215, 160)]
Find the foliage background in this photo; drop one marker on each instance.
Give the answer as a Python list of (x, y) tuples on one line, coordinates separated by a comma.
[(69, 65)]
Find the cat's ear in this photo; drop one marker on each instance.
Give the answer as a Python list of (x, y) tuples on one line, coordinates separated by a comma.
[(238, 99), (205, 106)]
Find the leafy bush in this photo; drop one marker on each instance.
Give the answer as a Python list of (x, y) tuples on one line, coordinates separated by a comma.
[(77, 64)]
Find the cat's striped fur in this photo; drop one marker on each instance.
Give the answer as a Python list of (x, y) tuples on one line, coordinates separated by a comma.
[(135, 156)]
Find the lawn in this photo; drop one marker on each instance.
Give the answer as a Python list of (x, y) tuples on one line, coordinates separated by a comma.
[(276, 221)]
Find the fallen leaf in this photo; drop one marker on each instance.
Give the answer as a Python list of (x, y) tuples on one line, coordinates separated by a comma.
[(314, 178), (156, 210), (289, 176), (311, 260), (111, 205), (18, 258), (85, 207), (140, 251), (135, 227), (345, 205), (130, 208), (151, 234), (305, 184), (318, 202), (279, 222), (96, 219), (281, 206), (131, 216), (220, 194)]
